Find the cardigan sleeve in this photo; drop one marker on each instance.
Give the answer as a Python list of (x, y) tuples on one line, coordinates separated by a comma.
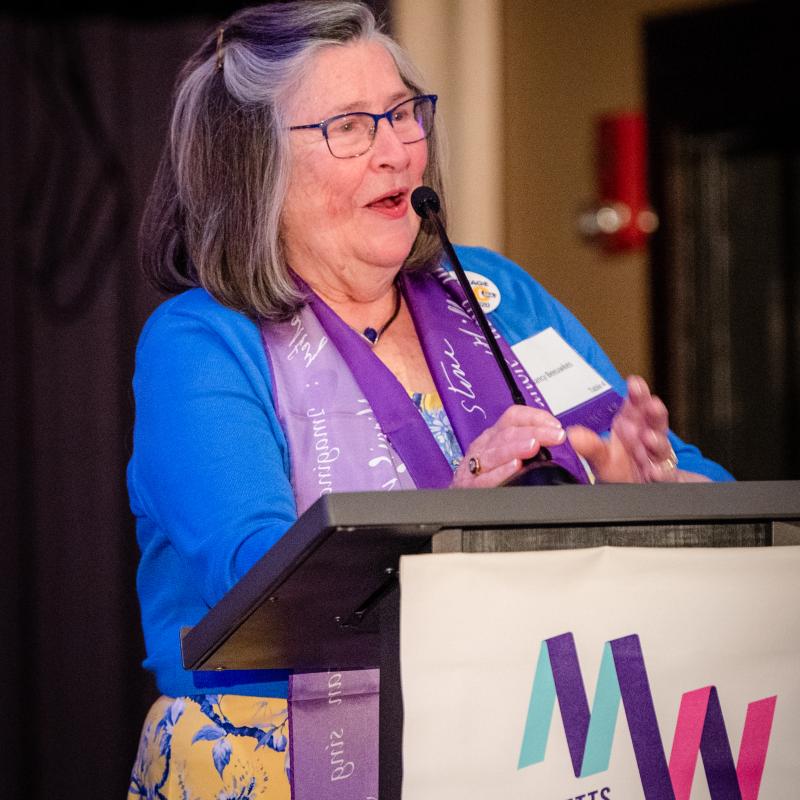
[(210, 467)]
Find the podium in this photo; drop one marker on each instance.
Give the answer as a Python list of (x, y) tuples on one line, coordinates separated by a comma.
[(326, 595)]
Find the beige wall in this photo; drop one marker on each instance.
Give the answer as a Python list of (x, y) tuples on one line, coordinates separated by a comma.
[(457, 46), (567, 61), (518, 184)]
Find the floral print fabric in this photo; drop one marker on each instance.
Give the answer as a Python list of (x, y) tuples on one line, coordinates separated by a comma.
[(213, 747), (432, 410)]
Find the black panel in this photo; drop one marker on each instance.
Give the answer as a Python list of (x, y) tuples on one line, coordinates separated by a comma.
[(724, 126)]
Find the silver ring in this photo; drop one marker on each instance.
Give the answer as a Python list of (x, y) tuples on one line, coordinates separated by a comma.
[(474, 465)]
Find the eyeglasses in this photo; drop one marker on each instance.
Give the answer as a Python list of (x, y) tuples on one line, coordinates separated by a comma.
[(351, 135)]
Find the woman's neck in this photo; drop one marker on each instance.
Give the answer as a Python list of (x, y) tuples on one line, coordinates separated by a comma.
[(366, 302)]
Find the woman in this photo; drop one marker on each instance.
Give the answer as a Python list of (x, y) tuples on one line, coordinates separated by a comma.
[(319, 337)]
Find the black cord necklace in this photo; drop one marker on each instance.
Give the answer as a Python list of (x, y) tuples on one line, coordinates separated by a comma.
[(370, 334)]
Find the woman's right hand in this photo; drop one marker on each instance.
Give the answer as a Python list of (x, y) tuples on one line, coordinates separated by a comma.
[(497, 454)]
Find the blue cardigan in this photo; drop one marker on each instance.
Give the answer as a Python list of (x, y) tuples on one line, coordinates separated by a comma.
[(209, 476)]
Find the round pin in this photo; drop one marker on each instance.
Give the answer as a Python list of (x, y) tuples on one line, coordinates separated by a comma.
[(486, 291)]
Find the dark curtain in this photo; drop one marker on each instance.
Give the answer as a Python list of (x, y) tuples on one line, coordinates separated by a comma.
[(84, 101), (84, 107)]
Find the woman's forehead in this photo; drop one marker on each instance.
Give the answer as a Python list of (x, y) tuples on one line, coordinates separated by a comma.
[(360, 76)]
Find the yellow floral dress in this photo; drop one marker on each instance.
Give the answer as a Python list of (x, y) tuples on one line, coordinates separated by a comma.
[(432, 410), (213, 747)]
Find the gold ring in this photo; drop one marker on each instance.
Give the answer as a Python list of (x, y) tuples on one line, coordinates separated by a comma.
[(474, 465), (671, 461)]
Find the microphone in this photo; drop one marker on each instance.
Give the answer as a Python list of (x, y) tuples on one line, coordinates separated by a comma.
[(425, 202)]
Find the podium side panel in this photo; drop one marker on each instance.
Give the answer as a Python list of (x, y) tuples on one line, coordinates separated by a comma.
[(391, 699)]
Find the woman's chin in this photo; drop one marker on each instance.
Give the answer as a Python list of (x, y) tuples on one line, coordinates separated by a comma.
[(391, 250), (388, 257)]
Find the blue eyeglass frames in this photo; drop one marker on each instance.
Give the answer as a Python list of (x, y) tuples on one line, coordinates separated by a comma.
[(351, 135)]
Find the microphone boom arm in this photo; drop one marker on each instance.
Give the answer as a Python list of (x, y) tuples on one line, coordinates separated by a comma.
[(480, 317), (426, 203)]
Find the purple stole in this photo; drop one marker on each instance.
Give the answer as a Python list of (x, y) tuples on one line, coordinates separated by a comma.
[(351, 426)]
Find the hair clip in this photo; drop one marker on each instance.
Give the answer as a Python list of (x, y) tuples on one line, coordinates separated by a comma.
[(220, 51)]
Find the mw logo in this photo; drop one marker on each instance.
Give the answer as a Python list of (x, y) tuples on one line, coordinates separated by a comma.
[(700, 728)]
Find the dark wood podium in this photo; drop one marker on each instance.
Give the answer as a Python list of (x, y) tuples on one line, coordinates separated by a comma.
[(326, 595)]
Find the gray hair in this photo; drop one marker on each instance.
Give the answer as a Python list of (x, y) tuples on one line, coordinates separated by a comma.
[(213, 217)]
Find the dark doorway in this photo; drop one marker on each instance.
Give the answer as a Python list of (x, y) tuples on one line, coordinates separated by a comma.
[(725, 166)]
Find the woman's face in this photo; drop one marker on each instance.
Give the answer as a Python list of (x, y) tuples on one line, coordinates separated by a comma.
[(345, 216)]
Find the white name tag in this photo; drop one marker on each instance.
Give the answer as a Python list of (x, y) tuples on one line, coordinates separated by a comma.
[(564, 378)]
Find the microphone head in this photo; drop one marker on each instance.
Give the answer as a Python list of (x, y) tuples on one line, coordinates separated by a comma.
[(423, 200)]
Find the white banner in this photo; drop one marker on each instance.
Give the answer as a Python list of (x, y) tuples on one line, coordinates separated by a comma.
[(602, 674)]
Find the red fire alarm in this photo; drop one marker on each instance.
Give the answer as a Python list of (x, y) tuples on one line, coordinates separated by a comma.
[(622, 219)]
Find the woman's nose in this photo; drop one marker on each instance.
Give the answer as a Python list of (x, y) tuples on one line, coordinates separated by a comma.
[(387, 148)]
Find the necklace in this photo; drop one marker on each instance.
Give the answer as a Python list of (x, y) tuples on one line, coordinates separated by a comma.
[(370, 334)]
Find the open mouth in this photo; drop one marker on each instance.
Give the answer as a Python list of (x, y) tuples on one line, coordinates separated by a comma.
[(389, 201)]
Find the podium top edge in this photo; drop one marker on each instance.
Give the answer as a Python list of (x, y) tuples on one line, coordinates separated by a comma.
[(559, 505)]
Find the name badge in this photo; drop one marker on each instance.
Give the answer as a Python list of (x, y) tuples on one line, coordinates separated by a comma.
[(564, 378)]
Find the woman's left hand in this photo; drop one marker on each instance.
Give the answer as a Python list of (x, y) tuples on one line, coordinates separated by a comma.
[(638, 449)]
